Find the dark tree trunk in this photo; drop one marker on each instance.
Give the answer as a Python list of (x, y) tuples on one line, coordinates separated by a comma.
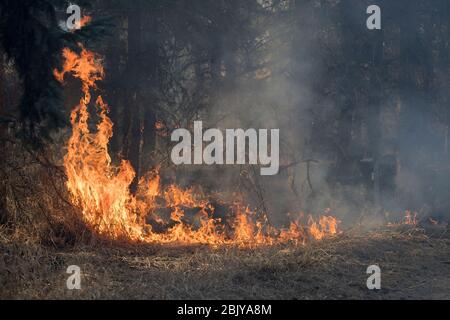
[(345, 76), (132, 106), (148, 131), (3, 131), (115, 96), (374, 105)]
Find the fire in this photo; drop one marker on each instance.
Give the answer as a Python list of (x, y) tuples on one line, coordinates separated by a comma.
[(410, 218), (101, 189), (85, 20), (161, 129), (433, 221), (327, 225)]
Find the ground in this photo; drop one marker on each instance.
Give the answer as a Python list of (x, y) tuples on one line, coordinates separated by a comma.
[(415, 264)]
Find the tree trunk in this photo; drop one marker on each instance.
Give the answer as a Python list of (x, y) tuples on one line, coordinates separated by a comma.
[(3, 131), (148, 131), (375, 100), (132, 107)]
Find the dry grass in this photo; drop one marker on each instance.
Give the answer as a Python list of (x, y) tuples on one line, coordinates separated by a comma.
[(40, 237), (414, 266)]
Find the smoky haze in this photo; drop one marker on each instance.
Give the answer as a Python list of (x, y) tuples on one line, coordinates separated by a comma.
[(363, 114)]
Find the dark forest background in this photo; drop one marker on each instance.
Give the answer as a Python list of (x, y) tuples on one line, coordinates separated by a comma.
[(364, 114)]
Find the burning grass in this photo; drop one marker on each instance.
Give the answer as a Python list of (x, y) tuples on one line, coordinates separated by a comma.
[(83, 213), (414, 266), (43, 235), (101, 189)]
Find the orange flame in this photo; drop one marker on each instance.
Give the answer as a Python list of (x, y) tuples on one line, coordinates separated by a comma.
[(410, 218), (161, 129), (85, 20), (326, 225), (101, 189)]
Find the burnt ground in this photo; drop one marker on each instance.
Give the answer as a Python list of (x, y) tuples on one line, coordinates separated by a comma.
[(415, 264)]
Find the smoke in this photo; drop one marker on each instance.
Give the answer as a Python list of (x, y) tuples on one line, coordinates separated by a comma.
[(306, 68), (406, 162)]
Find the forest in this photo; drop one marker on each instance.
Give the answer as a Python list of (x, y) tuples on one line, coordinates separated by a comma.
[(87, 123)]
